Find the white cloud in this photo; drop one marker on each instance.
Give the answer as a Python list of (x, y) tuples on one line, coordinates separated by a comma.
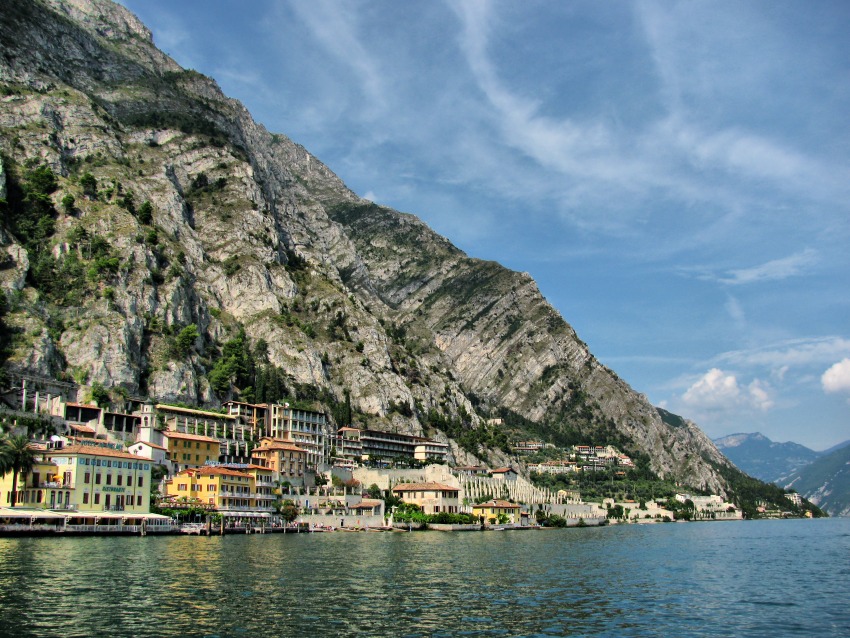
[(837, 378), (774, 270), (335, 27), (784, 354), (718, 391), (714, 390)]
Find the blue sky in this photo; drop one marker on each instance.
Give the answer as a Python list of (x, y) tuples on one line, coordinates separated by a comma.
[(676, 176)]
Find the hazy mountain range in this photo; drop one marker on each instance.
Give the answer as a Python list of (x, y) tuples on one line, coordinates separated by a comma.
[(822, 477)]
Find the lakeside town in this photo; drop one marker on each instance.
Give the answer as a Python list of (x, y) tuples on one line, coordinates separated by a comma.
[(161, 468)]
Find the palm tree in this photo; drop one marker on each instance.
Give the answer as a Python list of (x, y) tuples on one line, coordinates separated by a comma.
[(16, 456)]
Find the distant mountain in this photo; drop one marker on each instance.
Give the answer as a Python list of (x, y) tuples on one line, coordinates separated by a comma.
[(825, 482), (764, 459), (835, 448)]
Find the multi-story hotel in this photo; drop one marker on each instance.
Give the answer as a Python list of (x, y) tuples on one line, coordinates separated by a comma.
[(374, 445), (305, 428), (85, 478), (224, 489), (285, 460)]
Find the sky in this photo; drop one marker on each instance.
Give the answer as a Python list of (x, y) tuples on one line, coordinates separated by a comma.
[(674, 175)]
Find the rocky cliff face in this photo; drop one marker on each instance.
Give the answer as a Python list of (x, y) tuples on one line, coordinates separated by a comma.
[(154, 233)]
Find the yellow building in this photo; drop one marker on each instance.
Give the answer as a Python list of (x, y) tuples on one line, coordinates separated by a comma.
[(32, 487), (84, 478), (222, 488), (287, 461), (494, 509), (190, 450), (433, 498)]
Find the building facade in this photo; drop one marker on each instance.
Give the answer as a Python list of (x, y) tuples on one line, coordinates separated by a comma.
[(433, 498)]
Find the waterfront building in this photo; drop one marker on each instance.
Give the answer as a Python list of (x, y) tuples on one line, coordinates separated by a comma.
[(185, 451), (307, 429), (795, 498), (158, 454), (433, 498), (224, 489), (286, 461), (85, 478), (374, 445), (235, 437), (493, 510), (31, 486), (347, 447)]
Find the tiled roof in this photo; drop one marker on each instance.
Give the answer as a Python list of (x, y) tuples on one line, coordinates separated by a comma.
[(424, 487), (162, 407), (82, 428), (505, 505), (189, 437), (216, 470), (503, 470), (153, 445), (278, 445), (91, 450)]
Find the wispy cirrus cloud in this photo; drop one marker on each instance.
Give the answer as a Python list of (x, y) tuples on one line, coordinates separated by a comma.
[(774, 270), (335, 27), (790, 353)]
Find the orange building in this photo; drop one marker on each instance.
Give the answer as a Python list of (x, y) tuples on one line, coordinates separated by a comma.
[(190, 450), (287, 461)]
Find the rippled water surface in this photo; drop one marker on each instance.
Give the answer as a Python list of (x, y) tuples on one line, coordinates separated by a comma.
[(759, 578)]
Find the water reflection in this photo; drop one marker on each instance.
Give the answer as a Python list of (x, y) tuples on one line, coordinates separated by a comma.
[(722, 579)]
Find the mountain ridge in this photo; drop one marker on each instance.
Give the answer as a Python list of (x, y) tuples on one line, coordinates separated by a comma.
[(258, 246)]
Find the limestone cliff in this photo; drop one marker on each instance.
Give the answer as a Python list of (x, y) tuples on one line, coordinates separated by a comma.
[(154, 232)]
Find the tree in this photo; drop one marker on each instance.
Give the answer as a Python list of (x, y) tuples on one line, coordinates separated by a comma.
[(100, 395), (145, 213), (16, 456), (68, 203), (89, 184), (289, 511), (186, 339)]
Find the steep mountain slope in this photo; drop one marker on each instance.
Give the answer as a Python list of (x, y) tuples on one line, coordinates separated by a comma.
[(764, 459), (825, 482), (160, 242)]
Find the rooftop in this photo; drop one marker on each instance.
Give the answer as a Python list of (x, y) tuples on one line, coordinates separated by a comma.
[(424, 487)]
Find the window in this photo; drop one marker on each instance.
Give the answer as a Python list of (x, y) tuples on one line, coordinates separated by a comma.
[(119, 479), (97, 478), (181, 487), (138, 499), (109, 479), (85, 498), (97, 498), (141, 481)]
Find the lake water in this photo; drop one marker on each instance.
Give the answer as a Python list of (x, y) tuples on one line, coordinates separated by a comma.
[(752, 578)]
